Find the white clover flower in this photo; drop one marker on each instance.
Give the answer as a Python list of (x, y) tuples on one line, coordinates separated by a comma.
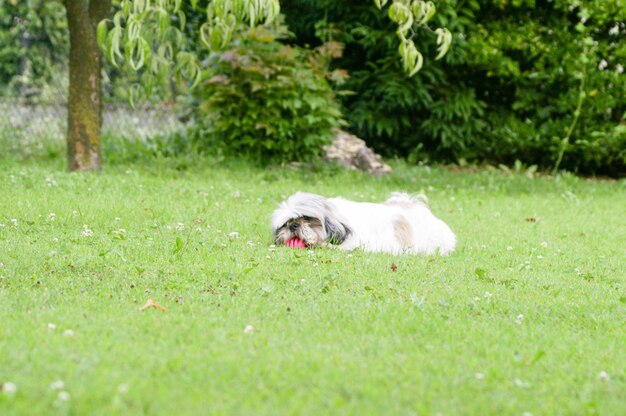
[(86, 231), (55, 239), (52, 216), (57, 385), (9, 388), (604, 376), (509, 248), (52, 326), (544, 244), (619, 68), (614, 30), (50, 181), (248, 329), (180, 226), (63, 396), (233, 235), (487, 295), (602, 65), (479, 376), (519, 319), (68, 333), (14, 222)]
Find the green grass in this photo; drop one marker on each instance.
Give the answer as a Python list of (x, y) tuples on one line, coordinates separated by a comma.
[(523, 317)]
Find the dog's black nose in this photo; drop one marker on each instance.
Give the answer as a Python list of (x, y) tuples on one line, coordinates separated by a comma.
[(293, 226)]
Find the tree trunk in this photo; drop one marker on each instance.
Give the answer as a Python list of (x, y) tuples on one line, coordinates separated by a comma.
[(84, 150)]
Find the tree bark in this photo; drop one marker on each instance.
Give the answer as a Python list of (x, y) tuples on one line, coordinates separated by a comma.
[(84, 146)]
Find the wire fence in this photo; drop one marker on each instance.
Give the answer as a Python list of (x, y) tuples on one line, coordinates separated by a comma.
[(29, 126), (31, 123)]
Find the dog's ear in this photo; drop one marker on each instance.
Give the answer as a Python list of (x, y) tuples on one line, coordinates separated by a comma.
[(336, 232)]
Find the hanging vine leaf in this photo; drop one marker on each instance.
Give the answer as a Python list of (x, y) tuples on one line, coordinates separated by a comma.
[(444, 39), (409, 16)]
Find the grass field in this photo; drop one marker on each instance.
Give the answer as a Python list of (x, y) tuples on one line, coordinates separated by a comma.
[(528, 316)]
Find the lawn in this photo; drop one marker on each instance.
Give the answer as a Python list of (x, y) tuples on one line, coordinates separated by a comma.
[(526, 317)]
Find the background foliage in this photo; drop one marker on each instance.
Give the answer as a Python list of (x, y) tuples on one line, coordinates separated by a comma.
[(533, 82), (508, 89), (34, 39)]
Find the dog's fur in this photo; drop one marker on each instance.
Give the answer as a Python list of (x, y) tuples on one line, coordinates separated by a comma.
[(402, 224)]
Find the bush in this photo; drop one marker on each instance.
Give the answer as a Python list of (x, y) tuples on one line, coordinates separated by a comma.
[(508, 89), (266, 101)]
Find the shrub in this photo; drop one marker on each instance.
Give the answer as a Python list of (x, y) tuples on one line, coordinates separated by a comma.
[(266, 101)]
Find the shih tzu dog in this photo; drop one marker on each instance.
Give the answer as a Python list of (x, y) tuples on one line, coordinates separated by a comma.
[(402, 224)]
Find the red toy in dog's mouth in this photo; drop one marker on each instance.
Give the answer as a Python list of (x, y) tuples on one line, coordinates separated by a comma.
[(295, 243)]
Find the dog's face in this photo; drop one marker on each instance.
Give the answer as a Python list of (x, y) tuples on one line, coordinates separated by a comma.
[(308, 229), (310, 218)]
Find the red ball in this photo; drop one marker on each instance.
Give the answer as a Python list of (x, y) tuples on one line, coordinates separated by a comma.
[(295, 243)]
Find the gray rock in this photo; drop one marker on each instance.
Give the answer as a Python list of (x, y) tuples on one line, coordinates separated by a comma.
[(352, 153)]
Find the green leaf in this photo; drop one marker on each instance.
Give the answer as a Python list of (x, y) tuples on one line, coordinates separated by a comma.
[(216, 39), (412, 59), (135, 54), (182, 19), (139, 6), (178, 246), (272, 10), (113, 41), (205, 35), (380, 3), (133, 94), (482, 274), (444, 39), (538, 356), (401, 15), (164, 20), (101, 33), (429, 12)]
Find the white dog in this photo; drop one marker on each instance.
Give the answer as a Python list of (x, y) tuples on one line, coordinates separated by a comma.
[(402, 224)]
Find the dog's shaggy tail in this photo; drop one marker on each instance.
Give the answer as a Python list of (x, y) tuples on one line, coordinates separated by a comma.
[(406, 200)]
